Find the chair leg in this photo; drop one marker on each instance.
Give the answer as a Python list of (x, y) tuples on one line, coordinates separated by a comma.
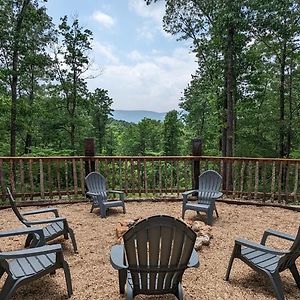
[(233, 256), (92, 207), (129, 294), (28, 240), (179, 294), (209, 217), (68, 278), (183, 212), (72, 236), (216, 211), (122, 280), (124, 210), (277, 285), (8, 289), (295, 274), (103, 211)]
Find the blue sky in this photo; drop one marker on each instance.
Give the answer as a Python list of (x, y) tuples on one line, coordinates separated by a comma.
[(140, 65)]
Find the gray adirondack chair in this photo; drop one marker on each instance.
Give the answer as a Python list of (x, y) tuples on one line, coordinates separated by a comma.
[(209, 190), (55, 227), (96, 185), (23, 266), (269, 261), (156, 252)]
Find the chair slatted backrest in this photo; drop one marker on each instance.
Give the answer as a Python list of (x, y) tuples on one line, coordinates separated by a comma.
[(289, 259), (158, 250), (209, 183), (15, 208), (96, 183)]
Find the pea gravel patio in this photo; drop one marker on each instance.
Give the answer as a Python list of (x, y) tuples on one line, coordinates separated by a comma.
[(94, 278)]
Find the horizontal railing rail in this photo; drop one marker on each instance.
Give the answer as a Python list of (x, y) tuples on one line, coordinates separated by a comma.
[(44, 178)]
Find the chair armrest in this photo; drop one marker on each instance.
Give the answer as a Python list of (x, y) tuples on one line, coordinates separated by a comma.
[(45, 221), (115, 192), (20, 231), (120, 193), (271, 232), (31, 252), (41, 211), (92, 194), (185, 194), (117, 257), (194, 260), (260, 247)]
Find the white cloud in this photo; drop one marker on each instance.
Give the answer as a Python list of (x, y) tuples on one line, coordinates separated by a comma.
[(105, 51), (153, 82), (135, 55), (103, 19), (154, 11), (145, 32)]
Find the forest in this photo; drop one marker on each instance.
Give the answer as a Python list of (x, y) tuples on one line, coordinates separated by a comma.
[(243, 99)]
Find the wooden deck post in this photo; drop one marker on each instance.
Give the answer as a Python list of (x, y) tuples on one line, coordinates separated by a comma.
[(196, 151), (89, 150)]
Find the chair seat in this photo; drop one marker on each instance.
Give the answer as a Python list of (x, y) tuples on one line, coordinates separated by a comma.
[(53, 229), (113, 203), (29, 266), (261, 259), (197, 206)]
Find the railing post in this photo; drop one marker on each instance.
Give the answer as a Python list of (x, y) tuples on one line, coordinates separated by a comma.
[(89, 150), (196, 151)]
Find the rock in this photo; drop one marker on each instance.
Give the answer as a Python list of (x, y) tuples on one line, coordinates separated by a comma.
[(203, 239), (120, 230), (197, 226), (198, 244)]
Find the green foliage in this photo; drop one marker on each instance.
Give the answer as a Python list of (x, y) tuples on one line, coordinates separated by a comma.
[(172, 132)]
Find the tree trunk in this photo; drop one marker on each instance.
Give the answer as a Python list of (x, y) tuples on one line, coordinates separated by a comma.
[(228, 131), (282, 125), (14, 81)]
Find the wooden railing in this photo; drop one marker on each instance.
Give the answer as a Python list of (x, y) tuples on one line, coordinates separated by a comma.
[(43, 178)]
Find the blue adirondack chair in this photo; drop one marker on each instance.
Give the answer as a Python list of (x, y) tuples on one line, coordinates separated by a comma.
[(96, 185), (209, 190), (54, 228), (156, 252), (269, 261), (26, 265)]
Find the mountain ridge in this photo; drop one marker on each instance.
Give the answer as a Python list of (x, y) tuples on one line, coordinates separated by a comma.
[(135, 116)]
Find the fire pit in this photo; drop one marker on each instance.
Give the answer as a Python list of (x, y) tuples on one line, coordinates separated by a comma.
[(203, 231)]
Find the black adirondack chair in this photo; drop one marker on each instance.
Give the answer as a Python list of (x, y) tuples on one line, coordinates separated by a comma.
[(96, 185), (269, 261), (156, 252), (26, 265), (209, 190), (54, 228)]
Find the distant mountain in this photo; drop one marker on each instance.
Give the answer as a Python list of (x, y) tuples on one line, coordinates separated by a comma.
[(135, 116)]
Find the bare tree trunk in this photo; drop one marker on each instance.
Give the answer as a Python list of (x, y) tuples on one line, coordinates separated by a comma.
[(14, 81), (282, 125), (228, 131)]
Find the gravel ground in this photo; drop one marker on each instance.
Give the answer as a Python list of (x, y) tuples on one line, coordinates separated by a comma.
[(94, 278)]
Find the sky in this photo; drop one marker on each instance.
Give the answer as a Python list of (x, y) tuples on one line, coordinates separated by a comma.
[(141, 66)]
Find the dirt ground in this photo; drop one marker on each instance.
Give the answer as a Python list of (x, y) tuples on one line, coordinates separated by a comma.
[(94, 278)]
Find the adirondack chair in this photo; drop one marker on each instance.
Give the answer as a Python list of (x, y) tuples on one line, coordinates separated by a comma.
[(55, 227), (23, 266), (209, 190), (269, 261), (156, 252), (96, 185)]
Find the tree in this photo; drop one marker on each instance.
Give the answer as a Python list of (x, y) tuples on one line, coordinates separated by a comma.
[(101, 110), (172, 130), (281, 41), (71, 62)]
